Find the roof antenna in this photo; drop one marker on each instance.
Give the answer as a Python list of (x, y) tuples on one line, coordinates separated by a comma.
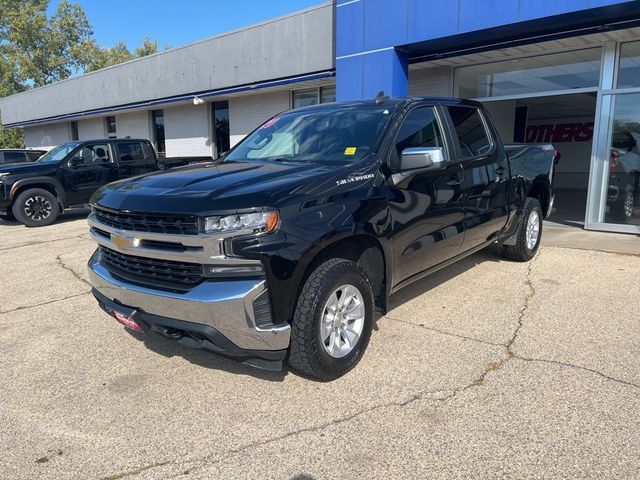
[(381, 97)]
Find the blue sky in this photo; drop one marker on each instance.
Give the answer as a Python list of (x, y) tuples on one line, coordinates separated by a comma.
[(177, 23)]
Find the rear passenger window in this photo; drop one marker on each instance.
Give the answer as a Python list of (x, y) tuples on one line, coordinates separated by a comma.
[(33, 156), (14, 157), (419, 129), (130, 151), (471, 132)]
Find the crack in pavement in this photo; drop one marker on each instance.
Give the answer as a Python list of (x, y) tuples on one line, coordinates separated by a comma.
[(72, 271), (26, 307), (578, 367), (444, 332), (83, 235)]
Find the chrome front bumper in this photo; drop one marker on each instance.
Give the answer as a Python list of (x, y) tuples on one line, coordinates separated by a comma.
[(226, 306)]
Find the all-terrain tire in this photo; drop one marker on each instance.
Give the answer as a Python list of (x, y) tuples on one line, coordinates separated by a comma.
[(308, 354), (524, 249), (36, 207)]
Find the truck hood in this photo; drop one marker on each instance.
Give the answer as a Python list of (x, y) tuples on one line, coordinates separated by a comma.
[(209, 188), (29, 168)]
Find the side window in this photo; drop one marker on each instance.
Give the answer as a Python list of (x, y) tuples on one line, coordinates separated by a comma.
[(14, 157), (33, 156), (130, 151), (419, 129), (471, 132), (92, 154)]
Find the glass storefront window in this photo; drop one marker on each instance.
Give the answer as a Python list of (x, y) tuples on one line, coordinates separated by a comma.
[(629, 72), (623, 188), (543, 73), (305, 98), (328, 94)]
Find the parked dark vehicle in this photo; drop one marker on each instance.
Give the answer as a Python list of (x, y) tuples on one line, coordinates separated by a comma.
[(624, 177), (36, 193), (287, 247), (19, 155)]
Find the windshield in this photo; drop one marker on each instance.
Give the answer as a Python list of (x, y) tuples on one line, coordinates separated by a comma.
[(57, 154), (338, 135)]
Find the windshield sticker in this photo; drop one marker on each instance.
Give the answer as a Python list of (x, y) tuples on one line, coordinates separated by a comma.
[(270, 123), (359, 178), (350, 151)]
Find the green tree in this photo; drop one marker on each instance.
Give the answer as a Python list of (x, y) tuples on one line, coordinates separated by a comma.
[(36, 50)]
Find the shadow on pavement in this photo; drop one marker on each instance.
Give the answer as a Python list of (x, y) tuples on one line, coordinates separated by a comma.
[(158, 344), (491, 254)]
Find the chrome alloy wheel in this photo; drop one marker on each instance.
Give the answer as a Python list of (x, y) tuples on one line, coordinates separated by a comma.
[(628, 205), (342, 321), (37, 208), (533, 229)]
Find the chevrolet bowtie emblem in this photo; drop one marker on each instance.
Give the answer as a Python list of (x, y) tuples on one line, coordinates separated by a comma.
[(123, 241)]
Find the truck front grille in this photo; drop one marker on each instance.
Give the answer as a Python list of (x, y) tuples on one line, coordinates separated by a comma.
[(142, 222), (151, 272)]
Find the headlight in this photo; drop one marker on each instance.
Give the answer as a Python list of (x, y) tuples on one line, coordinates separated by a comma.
[(260, 222)]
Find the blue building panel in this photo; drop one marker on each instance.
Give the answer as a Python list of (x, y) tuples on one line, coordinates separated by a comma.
[(350, 28), (430, 19), (379, 16), (385, 71), (532, 9), (350, 82), (475, 13)]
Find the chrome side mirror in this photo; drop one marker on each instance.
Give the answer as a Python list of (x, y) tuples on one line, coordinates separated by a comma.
[(421, 158)]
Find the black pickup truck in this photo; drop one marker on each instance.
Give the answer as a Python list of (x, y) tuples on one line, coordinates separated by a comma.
[(66, 176), (286, 247)]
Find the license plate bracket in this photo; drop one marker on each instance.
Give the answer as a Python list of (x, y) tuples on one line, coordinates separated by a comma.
[(127, 318)]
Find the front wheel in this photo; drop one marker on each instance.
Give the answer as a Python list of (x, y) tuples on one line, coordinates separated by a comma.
[(529, 233), (333, 320), (36, 208)]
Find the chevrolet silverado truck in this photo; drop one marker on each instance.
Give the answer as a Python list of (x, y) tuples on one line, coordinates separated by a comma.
[(285, 248)]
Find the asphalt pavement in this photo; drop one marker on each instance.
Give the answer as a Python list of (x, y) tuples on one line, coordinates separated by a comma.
[(488, 369)]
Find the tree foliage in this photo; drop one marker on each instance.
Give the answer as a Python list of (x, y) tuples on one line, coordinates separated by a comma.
[(36, 49)]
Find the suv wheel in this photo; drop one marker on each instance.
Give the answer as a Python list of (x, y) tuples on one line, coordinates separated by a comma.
[(529, 233), (627, 205), (36, 208), (333, 320)]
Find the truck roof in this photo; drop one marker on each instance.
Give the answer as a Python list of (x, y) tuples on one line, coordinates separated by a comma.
[(395, 101)]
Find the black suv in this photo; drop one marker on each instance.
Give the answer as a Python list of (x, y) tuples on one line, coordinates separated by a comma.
[(36, 193), (19, 155)]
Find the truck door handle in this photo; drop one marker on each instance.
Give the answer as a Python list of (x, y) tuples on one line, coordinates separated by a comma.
[(455, 181), (500, 171)]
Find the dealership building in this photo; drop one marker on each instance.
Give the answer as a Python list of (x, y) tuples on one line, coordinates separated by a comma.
[(559, 71)]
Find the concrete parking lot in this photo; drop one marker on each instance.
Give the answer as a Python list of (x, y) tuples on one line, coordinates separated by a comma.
[(489, 369)]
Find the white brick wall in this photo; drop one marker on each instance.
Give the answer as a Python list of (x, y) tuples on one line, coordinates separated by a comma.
[(134, 125), (91, 128), (186, 130), (248, 112), (431, 82), (47, 136)]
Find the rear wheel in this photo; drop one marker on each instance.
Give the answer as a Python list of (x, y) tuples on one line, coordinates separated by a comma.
[(628, 203), (36, 208), (333, 320), (529, 233)]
